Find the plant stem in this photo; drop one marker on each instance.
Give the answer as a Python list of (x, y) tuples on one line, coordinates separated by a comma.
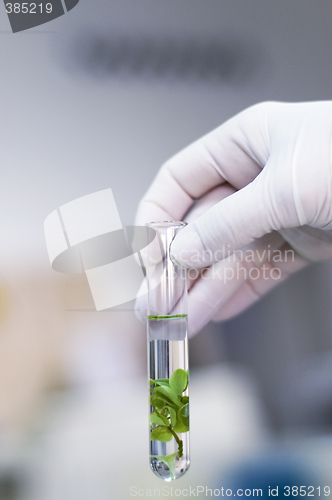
[(178, 440)]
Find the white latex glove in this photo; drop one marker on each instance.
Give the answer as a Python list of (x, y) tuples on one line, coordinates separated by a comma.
[(264, 183)]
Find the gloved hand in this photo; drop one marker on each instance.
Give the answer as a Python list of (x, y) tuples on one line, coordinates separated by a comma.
[(264, 184)]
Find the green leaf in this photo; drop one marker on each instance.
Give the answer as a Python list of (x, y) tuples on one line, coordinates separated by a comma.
[(184, 411), (161, 434), (161, 382), (172, 414), (182, 422), (168, 395), (178, 381), (158, 402), (180, 427), (168, 460), (158, 420), (184, 400)]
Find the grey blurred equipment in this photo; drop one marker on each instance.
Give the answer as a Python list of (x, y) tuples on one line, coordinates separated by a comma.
[(214, 60)]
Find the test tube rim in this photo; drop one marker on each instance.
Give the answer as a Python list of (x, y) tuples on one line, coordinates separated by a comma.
[(166, 224)]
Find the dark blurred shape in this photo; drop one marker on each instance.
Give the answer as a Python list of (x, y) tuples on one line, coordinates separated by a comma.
[(10, 484), (124, 56), (315, 390), (269, 472)]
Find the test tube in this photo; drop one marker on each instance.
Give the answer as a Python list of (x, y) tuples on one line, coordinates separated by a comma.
[(167, 356)]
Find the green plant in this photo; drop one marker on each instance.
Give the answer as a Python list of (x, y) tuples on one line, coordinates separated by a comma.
[(170, 415)]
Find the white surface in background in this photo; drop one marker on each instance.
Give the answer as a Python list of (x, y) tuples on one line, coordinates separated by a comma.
[(103, 349)]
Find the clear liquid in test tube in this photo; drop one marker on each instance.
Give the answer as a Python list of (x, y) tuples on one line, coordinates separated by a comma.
[(167, 357)]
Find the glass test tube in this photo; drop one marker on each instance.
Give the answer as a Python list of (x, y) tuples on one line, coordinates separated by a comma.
[(167, 357)]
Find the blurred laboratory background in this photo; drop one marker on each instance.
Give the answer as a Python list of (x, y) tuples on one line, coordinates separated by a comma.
[(100, 98)]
